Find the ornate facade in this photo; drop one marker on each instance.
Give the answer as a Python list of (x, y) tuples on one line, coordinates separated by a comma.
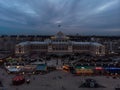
[(59, 44)]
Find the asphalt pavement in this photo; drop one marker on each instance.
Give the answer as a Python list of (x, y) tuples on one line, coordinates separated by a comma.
[(57, 80)]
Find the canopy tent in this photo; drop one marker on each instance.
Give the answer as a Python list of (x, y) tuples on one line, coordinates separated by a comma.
[(17, 80)]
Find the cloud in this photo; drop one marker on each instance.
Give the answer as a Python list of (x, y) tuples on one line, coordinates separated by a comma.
[(75, 16)]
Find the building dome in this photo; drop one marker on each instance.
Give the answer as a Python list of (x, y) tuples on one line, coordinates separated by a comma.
[(60, 35)]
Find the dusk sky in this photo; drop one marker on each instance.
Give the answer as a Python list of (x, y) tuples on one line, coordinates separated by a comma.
[(86, 17)]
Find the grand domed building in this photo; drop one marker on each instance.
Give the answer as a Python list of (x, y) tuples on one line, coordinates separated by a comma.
[(59, 44)]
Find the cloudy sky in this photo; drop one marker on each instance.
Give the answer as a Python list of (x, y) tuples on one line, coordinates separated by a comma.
[(86, 17)]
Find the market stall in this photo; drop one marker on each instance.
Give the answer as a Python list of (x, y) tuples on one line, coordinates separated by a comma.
[(13, 69), (28, 69), (98, 70), (84, 70), (41, 68)]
